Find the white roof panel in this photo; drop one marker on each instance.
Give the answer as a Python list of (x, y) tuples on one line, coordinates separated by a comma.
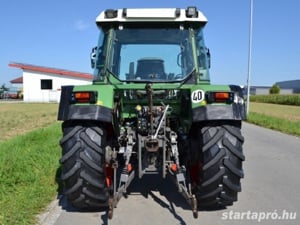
[(151, 14)]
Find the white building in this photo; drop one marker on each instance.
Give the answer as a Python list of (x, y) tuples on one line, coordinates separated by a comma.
[(43, 84), (293, 85)]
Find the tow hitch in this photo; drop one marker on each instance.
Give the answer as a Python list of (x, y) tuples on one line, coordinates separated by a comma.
[(128, 174)]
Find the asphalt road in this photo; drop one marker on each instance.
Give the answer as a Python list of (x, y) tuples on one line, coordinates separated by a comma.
[(270, 192)]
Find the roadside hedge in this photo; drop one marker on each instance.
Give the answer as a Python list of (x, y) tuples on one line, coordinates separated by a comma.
[(277, 99)]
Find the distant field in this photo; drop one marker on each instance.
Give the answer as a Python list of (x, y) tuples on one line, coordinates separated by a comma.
[(287, 112), (19, 118), (283, 118)]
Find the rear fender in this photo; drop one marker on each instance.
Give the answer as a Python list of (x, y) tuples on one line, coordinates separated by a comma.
[(68, 111), (234, 111)]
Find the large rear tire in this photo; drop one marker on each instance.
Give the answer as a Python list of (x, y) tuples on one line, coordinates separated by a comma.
[(83, 165), (217, 166)]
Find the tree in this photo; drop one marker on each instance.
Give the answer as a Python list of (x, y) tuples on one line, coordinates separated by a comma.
[(275, 89), (3, 87)]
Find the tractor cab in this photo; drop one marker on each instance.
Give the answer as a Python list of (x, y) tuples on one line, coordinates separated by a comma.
[(166, 45)]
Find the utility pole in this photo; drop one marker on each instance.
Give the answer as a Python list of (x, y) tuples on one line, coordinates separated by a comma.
[(249, 55)]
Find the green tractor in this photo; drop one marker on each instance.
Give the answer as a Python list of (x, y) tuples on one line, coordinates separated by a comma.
[(151, 109)]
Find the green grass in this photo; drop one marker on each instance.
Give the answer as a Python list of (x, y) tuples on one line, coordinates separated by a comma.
[(284, 118), (279, 124), (284, 112), (28, 167)]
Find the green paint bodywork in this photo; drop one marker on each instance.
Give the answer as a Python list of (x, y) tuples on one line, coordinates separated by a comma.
[(107, 93), (129, 94)]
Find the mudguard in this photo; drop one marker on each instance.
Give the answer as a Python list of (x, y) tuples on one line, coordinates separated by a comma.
[(234, 111), (67, 111)]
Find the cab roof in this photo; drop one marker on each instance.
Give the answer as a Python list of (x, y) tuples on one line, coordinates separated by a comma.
[(175, 15)]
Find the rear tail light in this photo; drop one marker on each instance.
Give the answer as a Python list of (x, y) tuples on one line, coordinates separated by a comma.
[(220, 97), (84, 97)]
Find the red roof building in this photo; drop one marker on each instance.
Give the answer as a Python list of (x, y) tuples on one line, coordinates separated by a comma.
[(43, 84), (51, 70), (18, 80)]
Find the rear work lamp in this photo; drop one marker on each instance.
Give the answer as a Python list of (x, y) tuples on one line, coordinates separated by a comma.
[(111, 13), (191, 12)]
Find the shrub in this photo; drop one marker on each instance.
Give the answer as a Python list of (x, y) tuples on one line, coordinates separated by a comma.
[(275, 89)]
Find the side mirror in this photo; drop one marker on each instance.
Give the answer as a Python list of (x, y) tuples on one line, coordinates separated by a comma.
[(93, 57)]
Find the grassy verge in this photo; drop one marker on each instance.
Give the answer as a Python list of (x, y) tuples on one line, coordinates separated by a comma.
[(284, 118), (28, 167), (280, 124), (284, 112)]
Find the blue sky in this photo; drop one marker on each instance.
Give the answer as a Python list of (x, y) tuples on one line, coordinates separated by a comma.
[(61, 34)]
